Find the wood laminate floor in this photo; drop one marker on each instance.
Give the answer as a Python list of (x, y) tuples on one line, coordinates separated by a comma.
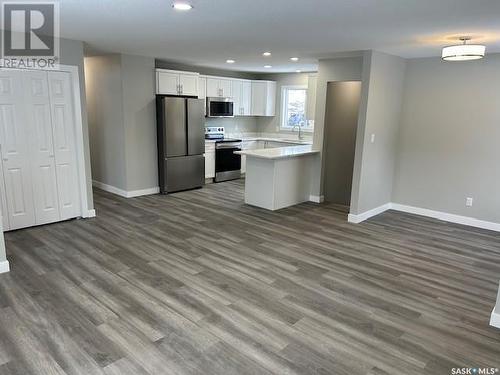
[(198, 283)]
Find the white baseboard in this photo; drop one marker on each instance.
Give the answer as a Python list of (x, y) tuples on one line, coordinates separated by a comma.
[(444, 216), (317, 198), (495, 319), (452, 218), (4, 266), (138, 193), (89, 213), (356, 219), (124, 193), (109, 188)]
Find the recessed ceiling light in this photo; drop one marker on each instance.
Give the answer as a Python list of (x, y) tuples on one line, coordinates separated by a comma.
[(298, 71), (268, 66), (182, 6), (266, 54), (294, 58), (230, 61)]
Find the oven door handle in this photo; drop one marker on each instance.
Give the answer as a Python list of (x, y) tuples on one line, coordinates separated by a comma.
[(228, 145)]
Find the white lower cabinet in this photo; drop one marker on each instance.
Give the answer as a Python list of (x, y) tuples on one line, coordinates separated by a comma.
[(209, 159), (39, 173)]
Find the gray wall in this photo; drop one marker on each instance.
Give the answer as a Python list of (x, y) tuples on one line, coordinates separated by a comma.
[(383, 78), (449, 137), (121, 105), (272, 124), (139, 115), (72, 54), (105, 111), (345, 68)]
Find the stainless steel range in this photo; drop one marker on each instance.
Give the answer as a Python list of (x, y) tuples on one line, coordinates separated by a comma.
[(227, 163)]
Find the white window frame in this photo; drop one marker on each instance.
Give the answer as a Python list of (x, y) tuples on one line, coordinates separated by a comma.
[(284, 96)]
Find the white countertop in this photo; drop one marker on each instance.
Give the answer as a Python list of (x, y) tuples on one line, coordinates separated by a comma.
[(279, 152), (280, 140), (269, 139)]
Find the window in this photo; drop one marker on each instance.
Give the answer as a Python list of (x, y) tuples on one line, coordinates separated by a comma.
[(293, 106)]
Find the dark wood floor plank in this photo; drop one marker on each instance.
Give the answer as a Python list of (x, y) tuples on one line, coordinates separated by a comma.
[(199, 283)]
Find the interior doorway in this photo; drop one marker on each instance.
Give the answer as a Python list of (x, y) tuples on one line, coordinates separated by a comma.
[(342, 108)]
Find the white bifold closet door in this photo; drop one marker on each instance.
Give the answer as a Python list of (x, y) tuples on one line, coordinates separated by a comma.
[(37, 136)]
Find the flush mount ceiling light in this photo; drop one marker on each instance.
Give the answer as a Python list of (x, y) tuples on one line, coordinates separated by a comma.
[(298, 71), (230, 61), (294, 58), (182, 6), (268, 66), (266, 54), (463, 52)]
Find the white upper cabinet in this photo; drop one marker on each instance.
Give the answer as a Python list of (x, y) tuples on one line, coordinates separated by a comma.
[(167, 83), (242, 94), (173, 82), (263, 102), (188, 84), (213, 87), (226, 88), (246, 98), (251, 98), (219, 87), (202, 88)]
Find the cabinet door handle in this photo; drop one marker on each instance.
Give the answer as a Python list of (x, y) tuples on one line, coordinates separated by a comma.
[(182, 89)]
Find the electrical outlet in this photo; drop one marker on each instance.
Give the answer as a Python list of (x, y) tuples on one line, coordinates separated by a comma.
[(372, 139), (469, 201)]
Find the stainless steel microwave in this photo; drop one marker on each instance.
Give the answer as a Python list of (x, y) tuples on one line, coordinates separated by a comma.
[(220, 107)]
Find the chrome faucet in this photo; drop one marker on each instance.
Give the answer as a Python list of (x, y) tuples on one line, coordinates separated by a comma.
[(300, 130)]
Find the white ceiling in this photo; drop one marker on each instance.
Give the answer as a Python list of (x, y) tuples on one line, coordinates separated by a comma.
[(216, 30)]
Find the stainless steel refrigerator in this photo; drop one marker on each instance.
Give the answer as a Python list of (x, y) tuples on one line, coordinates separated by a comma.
[(181, 143)]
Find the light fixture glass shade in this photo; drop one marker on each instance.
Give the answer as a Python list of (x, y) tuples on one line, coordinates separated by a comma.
[(463, 52)]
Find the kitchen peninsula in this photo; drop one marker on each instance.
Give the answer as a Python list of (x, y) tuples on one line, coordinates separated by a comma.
[(278, 177)]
